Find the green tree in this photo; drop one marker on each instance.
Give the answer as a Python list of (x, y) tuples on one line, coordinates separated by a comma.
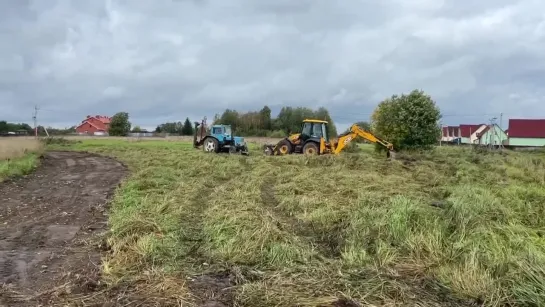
[(178, 127), (230, 117), (216, 119), (408, 121), (120, 124), (4, 127), (365, 126), (136, 129), (289, 119), (266, 122), (261, 123), (187, 128), (167, 128), (284, 120)]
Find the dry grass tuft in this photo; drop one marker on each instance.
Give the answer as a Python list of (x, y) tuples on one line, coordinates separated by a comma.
[(18, 156), (14, 147)]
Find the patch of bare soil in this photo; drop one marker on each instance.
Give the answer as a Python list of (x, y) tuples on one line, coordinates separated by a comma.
[(47, 221), (213, 290)]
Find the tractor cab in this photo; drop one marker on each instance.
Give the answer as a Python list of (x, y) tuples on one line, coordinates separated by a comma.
[(314, 129), (221, 131), (224, 134)]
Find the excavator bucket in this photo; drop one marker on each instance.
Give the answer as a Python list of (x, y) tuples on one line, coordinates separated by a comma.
[(391, 154)]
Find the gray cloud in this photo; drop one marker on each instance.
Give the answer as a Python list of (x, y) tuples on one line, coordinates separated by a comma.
[(168, 59)]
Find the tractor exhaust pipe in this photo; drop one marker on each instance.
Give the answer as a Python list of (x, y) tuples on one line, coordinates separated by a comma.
[(195, 143)]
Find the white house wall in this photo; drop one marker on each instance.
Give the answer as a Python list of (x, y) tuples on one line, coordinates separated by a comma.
[(473, 138)]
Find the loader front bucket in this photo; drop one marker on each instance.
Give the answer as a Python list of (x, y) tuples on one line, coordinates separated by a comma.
[(245, 151), (268, 149)]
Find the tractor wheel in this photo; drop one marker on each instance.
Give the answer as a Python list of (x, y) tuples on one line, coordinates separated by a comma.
[(310, 148), (210, 145), (283, 148)]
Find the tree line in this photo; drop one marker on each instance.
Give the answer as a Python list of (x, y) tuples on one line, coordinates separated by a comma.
[(256, 123), (176, 128), (406, 120), (6, 127), (261, 123)]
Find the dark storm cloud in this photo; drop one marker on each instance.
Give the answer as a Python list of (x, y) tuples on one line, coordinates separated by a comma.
[(168, 59)]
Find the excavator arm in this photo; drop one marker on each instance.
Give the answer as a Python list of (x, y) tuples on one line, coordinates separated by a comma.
[(357, 131)]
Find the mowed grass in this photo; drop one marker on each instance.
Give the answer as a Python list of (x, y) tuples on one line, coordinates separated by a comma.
[(453, 227), (18, 156)]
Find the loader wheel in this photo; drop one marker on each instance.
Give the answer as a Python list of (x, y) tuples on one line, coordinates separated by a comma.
[(310, 148), (283, 148), (210, 145)]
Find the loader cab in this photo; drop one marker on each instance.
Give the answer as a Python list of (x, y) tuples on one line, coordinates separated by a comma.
[(314, 129)]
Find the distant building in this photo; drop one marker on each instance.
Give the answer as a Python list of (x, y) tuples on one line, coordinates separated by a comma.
[(20, 132), (492, 135), (142, 133), (468, 133), (94, 125), (526, 132), (451, 134), (464, 134)]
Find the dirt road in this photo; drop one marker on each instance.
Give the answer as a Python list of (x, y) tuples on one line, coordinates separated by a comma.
[(48, 224)]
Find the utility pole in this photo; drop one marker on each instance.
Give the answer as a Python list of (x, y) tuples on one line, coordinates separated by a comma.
[(491, 133), (35, 119), (441, 139), (501, 128)]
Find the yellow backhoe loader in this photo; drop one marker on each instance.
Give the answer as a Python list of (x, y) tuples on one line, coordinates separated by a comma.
[(314, 140)]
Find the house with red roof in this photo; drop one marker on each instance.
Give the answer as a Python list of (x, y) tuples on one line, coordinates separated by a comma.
[(469, 133), (492, 135), (465, 134), (526, 132), (97, 124), (450, 133)]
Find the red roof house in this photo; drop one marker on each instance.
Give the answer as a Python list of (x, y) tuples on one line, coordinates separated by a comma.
[(450, 132), (92, 124), (467, 130), (527, 132), (527, 128), (466, 133)]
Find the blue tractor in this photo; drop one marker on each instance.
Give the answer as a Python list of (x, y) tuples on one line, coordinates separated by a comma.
[(220, 139)]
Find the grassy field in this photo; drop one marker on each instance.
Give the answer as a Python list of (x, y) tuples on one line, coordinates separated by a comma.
[(454, 227), (18, 156)]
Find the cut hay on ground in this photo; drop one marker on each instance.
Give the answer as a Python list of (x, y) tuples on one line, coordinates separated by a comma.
[(454, 227)]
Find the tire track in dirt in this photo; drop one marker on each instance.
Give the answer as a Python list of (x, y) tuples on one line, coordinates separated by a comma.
[(215, 288), (45, 219), (327, 245)]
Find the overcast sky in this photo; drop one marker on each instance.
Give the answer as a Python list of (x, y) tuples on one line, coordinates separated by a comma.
[(164, 60)]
